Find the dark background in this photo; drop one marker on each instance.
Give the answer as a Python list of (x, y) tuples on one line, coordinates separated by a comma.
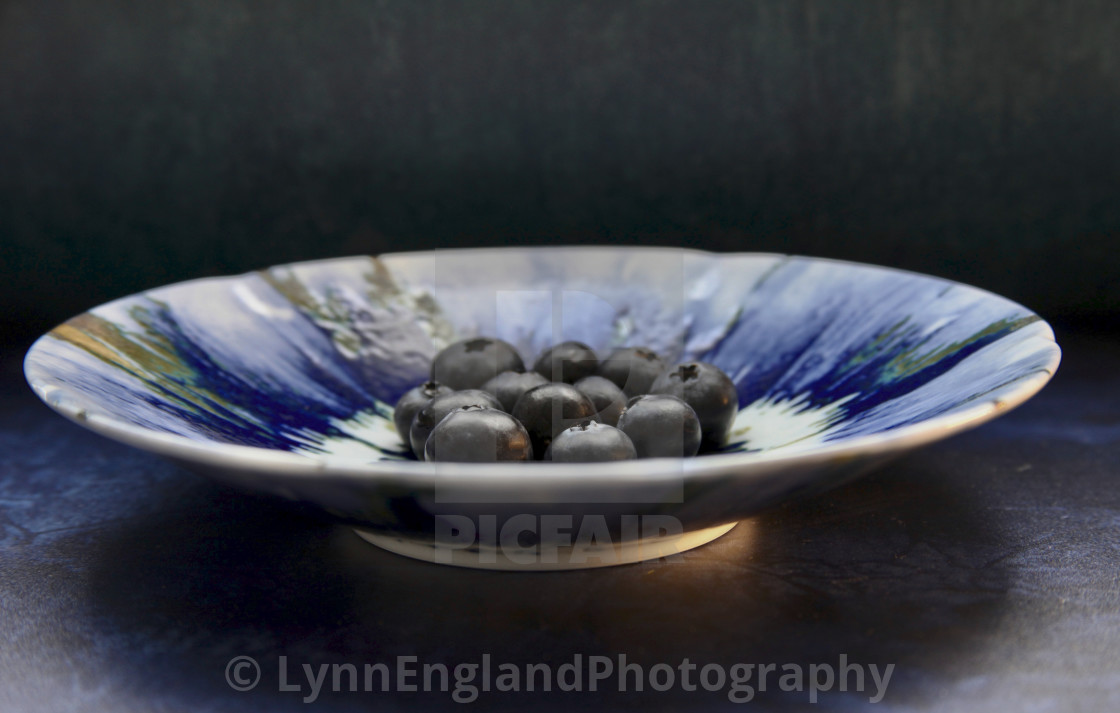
[(147, 142)]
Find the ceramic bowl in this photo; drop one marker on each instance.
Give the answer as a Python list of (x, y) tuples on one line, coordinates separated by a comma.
[(283, 381)]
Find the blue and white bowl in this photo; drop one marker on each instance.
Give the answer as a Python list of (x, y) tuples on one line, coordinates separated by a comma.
[(283, 381)]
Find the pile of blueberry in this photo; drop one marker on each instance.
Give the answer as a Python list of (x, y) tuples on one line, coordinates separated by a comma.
[(481, 406)]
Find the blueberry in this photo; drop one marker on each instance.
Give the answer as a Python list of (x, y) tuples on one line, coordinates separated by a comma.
[(436, 410), (709, 392), (412, 401), (588, 442), (548, 409), (607, 398), (472, 362), (508, 386), (476, 434), (632, 369), (567, 361), (661, 426)]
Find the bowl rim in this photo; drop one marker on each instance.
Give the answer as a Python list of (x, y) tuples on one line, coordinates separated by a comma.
[(287, 464)]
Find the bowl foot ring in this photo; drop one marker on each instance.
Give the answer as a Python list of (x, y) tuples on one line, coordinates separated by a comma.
[(557, 558)]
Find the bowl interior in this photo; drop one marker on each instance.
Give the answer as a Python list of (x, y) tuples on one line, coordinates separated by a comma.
[(309, 358)]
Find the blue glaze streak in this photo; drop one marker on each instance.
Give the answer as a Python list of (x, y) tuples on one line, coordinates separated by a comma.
[(820, 333), (280, 416)]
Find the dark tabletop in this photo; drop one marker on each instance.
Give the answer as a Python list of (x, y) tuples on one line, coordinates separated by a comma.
[(986, 569)]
